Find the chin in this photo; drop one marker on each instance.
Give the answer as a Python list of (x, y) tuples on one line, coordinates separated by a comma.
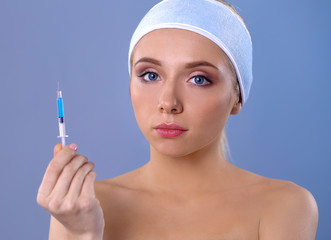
[(176, 149), (172, 150)]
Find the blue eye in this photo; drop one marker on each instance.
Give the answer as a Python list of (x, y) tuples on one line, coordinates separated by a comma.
[(149, 76), (200, 80)]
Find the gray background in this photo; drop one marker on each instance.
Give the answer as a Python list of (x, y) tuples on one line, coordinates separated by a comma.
[(283, 131)]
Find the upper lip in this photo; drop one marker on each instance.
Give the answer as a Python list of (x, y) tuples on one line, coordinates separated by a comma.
[(170, 126)]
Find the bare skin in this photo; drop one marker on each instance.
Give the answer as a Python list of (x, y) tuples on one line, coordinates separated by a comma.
[(132, 212), (188, 190), (67, 193)]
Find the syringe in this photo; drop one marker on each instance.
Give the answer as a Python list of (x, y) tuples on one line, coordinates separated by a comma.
[(62, 127)]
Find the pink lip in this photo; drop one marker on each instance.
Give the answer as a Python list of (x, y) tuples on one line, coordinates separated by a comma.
[(170, 126), (169, 130)]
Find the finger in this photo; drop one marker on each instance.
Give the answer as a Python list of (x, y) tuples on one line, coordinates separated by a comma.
[(55, 167), (57, 148), (88, 186), (78, 180), (69, 171)]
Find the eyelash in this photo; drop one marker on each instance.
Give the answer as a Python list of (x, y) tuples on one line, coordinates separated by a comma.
[(203, 77), (142, 75)]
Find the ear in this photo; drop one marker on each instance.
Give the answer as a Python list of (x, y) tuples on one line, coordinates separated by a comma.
[(236, 108)]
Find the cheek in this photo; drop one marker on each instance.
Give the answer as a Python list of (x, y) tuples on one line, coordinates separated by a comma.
[(142, 103), (210, 112), (214, 103)]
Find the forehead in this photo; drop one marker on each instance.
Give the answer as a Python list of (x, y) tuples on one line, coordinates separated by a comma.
[(178, 43)]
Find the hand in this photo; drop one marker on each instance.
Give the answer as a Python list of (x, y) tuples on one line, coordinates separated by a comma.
[(67, 193)]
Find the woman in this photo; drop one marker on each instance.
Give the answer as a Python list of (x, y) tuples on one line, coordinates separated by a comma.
[(190, 65)]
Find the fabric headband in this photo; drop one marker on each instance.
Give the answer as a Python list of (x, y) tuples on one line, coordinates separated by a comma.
[(212, 20)]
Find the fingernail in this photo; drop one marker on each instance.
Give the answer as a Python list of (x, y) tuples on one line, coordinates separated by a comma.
[(73, 146)]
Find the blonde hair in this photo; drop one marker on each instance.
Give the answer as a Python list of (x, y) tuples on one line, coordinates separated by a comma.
[(224, 140)]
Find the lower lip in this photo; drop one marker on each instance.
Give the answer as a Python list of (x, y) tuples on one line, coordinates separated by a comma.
[(169, 133)]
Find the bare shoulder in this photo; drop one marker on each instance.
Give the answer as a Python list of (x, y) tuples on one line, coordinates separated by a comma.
[(281, 193), (118, 192), (287, 210), (116, 196), (275, 191), (290, 211), (281, 189), (116, 186)]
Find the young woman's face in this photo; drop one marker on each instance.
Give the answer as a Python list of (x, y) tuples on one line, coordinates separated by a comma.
[(180, 78)]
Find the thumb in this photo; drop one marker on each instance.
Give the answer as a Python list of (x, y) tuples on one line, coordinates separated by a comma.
[(57, 148)]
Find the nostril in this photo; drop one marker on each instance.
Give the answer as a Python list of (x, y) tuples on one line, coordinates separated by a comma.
[(170, 106), (174, 110)]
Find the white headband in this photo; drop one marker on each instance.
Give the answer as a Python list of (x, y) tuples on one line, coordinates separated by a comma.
[(210, 19)]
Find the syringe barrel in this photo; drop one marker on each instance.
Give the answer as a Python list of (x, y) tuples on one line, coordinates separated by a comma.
[(60, 107), (62, 128)]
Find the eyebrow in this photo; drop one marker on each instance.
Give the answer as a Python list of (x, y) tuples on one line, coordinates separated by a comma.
[(188, 65), (200, 63), (148, 60)]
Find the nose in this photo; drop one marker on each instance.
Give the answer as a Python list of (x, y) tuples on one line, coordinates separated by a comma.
[(169, 101)]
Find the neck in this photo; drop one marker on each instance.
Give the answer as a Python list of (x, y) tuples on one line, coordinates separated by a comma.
[(196, 173)]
